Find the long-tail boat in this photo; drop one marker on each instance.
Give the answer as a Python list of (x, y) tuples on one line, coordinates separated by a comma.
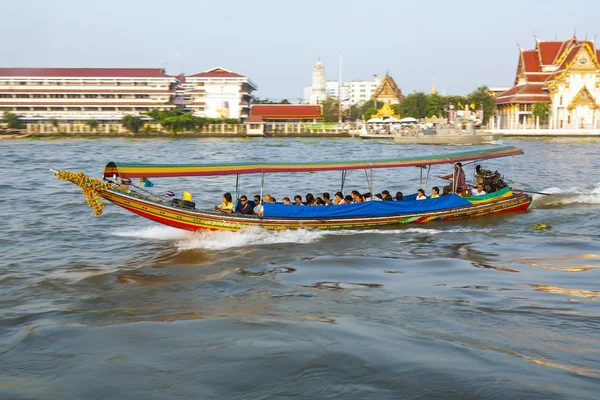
[(370, 214)]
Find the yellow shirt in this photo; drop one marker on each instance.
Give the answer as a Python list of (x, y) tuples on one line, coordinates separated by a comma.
[(225, 206), (435, 196)]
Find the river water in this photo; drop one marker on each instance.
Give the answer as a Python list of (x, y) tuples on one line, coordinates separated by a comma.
[(117, 306)]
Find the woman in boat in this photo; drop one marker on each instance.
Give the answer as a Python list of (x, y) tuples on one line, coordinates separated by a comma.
[(339, 199), (286, 201), (399, 196), (421, 195), (310, 199), (298, 200), (226, 205), (435, 192)]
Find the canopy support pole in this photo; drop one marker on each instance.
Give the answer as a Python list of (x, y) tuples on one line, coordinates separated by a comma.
[(421, 178), (343, 181), (237, 186), (262, 185), (369, 182), (427, 177)]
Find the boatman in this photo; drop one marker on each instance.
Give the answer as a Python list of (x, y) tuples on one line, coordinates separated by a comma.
[(459, 183)]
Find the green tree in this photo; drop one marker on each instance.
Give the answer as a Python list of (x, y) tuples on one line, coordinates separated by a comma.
[(354, 112), (132, 123), (542, 111), (92, 123), (12, 121), (483, 99), (435, 105), (369, 108), (414, 105), (331, 110), (284, 101)]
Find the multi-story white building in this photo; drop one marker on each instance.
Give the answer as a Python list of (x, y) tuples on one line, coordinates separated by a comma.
[(75, 94), (362, 91), (355, 92), (219, 93), (318, 92)]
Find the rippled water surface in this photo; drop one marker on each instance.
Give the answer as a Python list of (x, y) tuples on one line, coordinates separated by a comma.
[(120, 307)]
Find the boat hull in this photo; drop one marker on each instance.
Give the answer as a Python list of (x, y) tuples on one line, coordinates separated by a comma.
[(194, 220)]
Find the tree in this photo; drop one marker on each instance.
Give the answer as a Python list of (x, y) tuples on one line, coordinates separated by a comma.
[(542, 111), (12, 121), (414, 105), (54, 123), (354, 112), (435, 105), (483, 99), (331, 110), (284, 101), (93, 124), (132, 123)]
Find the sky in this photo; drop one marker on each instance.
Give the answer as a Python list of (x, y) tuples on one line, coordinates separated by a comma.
[(466, 44)]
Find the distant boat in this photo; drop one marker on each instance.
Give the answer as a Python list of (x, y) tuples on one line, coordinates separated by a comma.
[(460, 132), (117, 187), (14, 134)]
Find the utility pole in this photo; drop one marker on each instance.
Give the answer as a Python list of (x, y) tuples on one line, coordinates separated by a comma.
[(340, 91)]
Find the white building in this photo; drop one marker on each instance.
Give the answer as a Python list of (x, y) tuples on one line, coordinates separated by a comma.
[(362, 91), (79, 94), (219, 93)]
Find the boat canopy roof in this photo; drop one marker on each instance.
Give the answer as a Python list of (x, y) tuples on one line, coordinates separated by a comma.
[(136, 170)]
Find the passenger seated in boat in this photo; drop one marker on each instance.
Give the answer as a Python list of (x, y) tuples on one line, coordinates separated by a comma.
[(348, 199), (478, 191), (458, 183), (421, 195), (367, 197), (298, 200), (327, 198), (256, 201), (435, 192), (378, 197), (319, 202), (388, 197), (384, 194), (246, 206), (356, 196), (258, 210), (286, 201), (226, 205), (339, 199), (273, 200), (399, 196), (310, 199)]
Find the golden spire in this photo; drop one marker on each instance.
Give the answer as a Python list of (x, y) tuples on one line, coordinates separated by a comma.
[(433, 84)]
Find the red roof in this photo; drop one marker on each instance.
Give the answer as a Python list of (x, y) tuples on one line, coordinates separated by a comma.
[(548, 51), (529, 93), (84, 72), (530, 58), (286, 111), (537, 77), (217, 73), (255, 118)]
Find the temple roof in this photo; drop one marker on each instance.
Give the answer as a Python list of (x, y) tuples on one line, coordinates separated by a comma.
[(388, 90), (533, 76), (529, 93)]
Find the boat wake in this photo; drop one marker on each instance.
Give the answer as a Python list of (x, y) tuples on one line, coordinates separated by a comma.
[(221, 240), (566, 196)]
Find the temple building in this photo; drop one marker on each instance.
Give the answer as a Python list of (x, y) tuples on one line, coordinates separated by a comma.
[(219, 93), (388, 92), (75, 94), (318, 91), (563, 74)]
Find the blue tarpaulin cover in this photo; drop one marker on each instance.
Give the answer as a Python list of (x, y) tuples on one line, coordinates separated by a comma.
[(368, 209)]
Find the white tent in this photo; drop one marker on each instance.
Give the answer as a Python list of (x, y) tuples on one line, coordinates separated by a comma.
[(408, 120), (375, 121), (391, 120)]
